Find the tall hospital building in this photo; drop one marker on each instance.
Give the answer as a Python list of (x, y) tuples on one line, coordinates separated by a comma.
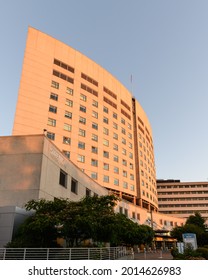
[(89, 115)]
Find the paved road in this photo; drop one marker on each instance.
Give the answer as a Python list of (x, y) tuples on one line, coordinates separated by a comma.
[(153, 256)]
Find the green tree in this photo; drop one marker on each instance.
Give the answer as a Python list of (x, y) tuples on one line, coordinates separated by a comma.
[(90, 218), (198, 220), (194, 224)]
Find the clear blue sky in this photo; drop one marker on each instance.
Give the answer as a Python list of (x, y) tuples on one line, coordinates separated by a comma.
[(162, 43)]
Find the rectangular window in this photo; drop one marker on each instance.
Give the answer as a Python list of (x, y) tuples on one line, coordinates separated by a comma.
[(105, 120), (95, 126), (106, 179), (66, 140), (89, 79), (123, 141), (63, 178), (55, 84), (67, 127), (95, 137), (69, 90), (124, 162), (123, 151), (124, 173), (81, 145), (68, 115), (94, 175), (123, 130), (94, 150), (88, 192), (115, 116), (63, 65), (83, 97), (105, 131), (51, 135), (74, 186), (132, 187), (54, 96), (94, 162), (122, 121), (51, 122), (125, 185), (81, 158), (116, 182), (82, 108), (115, 147), (116, 170), (115, 125), (115, 136), (82, 120), (67, 154), (106, 154), (82, 132), (95, 114), (52, 109), (69, 103), (131, 176), (105, 166), (105, 109), (115, 158), (105, 142), (94, 103)]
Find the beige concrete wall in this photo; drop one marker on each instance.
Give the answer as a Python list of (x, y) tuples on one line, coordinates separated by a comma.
[(20, 166), (30, 167)]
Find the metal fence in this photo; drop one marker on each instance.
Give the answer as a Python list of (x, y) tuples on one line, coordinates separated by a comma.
[(106, 253)]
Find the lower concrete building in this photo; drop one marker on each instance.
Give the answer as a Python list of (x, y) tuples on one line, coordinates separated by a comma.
[(32, 167), (182, 199)]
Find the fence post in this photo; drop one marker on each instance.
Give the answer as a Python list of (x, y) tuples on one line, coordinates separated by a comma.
[(69, 253), (47, 253), (24, 253), (4, 254), (88, 254), (145, 253)]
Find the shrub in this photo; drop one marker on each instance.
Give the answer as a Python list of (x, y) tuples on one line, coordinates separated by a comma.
[(203, 252)]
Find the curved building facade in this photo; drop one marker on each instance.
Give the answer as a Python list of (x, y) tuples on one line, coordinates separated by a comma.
[(89, 115)]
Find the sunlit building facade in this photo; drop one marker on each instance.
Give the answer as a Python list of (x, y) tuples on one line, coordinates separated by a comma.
[(182, 199), (89, 115)]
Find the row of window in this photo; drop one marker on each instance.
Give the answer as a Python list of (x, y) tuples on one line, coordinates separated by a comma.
[(183, 199), (82, 120), (183, 205), (83, 97), (63, 181), (182, 186), (95, 103), (135, 216), (183, 192)]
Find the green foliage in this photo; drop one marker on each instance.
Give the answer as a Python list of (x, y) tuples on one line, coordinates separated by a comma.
[(203, 252), (90, 218), (194, 224), (189, 253), (197, 220)]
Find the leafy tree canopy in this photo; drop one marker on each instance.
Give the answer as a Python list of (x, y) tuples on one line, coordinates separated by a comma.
[(90, 218)]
